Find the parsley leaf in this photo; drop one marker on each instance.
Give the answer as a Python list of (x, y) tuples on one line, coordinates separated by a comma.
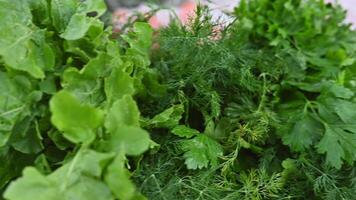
[(201, 151)]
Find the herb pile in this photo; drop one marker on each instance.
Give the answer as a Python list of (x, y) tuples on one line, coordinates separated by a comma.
[(269, 105), (261, 108), (68, 119)]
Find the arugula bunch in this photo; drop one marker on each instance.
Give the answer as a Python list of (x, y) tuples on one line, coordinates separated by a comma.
[(68, 119)]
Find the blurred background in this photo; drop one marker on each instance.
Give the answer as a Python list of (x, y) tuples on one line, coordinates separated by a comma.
[(123, 9)]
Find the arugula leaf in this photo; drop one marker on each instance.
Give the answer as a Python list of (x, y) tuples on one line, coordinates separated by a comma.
[(79, 23), (25, 40), (25, 138), (12, 106), (30, 185), (86, 83), (16, 101), (40, 12), (68, 88), (131, 140), (77, 27), (77, 121), (61, 13), (13, 164), (140, 41), (77, 179), (122, 122), (118, 84), (118, 179), (124, 112)]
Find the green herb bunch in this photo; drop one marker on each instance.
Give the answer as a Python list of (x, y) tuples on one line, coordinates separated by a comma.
[(259, 108), (268, 105), (68, 119)]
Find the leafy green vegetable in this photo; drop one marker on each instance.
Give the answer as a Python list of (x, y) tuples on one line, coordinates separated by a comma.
[(78, 122), (201, 151), (303, 133), (68, 117), (262, 107), (76, 179), (119, 177), (131, 140), (123, 112), (275, 85), (169, 118), (183, 131), (139, 45), (119, 84), (19, 36)]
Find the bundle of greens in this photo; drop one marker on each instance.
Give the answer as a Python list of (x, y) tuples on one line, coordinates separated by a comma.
[(68, 119), (260, 108), (267, 105)]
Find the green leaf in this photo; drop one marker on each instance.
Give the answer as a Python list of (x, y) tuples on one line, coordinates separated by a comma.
[(78, 179), (143, 39), (32, 185), (59, 140), (346, 111), (124, 112), (12, 165), (80, 22), (41, 163), (93, 163), (183, 131), (289, 167), (151, 85), (87, 188), (14, 103), (89, 6), (303, 133), (77, 27), (77, 121), (340, 131), (21, 38), (201, 151), (169, 118), (118, 179), (131, 140), (118, 84), (83, 49), (340, 91), (25, 138), (330, 144), (61, 13), (98, 67), (140, 41), (86, 84), (48, 85), (40, 12), (61, 75)]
